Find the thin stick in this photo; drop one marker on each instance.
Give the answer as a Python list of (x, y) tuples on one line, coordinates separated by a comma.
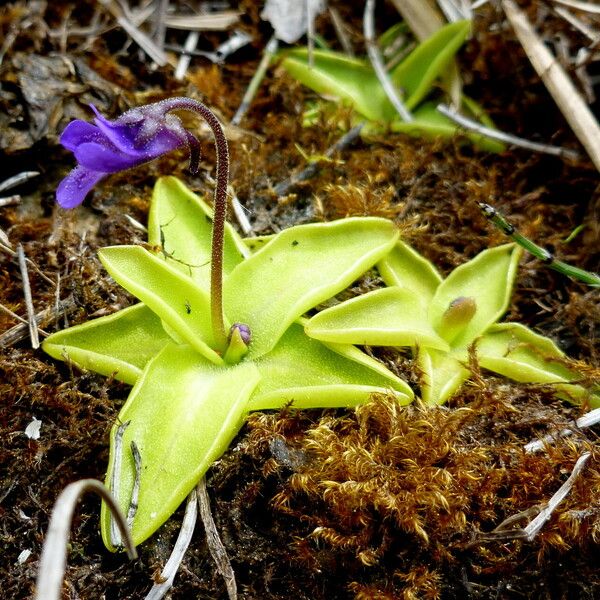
[(310, 34), (17, 179), (377, 62), (140, 38), (33, 332), (184, 60), (160, 26), (270, 50), (240, 215), (544, 515), (215, 545), (13, 315), (535, 525), (340, 31), (590, 418), (544, 255), (283, 187), (9, 250), (8, 200), (54, 553), (18, 332), (584, 6), (577, 113), (181, 545), (472, 125)]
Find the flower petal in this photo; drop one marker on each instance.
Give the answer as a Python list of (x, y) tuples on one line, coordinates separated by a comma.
[(99, 157), (78, 132), (161, 141), (122, 135), (73, 189)]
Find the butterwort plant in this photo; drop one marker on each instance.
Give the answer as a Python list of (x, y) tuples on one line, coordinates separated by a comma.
[(443, 319), (219, 329)]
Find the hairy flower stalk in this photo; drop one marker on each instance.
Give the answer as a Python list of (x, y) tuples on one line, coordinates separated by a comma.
[(138, 136), (219, 212)]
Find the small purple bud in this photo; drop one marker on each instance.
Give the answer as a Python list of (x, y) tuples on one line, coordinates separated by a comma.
[(244, 332)]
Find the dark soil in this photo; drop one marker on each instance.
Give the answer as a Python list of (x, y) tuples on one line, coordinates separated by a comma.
[(377, 503)]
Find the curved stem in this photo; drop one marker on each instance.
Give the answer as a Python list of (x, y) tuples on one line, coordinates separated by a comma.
[(219, 212)]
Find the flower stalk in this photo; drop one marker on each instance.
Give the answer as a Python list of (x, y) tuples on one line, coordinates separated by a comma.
[(219, 212), (138, 136)]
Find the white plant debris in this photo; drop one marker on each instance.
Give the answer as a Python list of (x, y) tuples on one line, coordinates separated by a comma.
[(32, 431), (291, 18)]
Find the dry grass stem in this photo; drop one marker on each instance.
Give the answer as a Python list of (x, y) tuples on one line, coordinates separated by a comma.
[(54, 553), (589, 419), (471, 125), (503, 531), (571, 104), (215, 545), (18, 332), (423, 18), (181, 545), (33, 332), (377, 62), (213, 22), (17, 179), (184, 60), (270, 50), (584, 6), (138, 36)]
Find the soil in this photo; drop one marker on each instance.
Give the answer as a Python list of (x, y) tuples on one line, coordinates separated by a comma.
[(372, 503)]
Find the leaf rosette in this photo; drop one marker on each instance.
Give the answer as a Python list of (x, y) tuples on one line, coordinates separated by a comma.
[(189, 397)]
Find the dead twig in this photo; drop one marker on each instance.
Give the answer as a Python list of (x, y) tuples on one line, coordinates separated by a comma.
[(340, 31), (138, 36), (54, 553), (33, 332), (471, 125), (377, 62), (6, 248), (184, 60), (589, 419), (213, 22), (270, 50), (9, 200), (184, 538), (18, 332), (583, 6), (574, 109), (215, 545), (17, 179), (503, 531)]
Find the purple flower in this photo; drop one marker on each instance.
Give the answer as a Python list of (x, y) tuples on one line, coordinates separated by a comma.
[(139, 135)]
